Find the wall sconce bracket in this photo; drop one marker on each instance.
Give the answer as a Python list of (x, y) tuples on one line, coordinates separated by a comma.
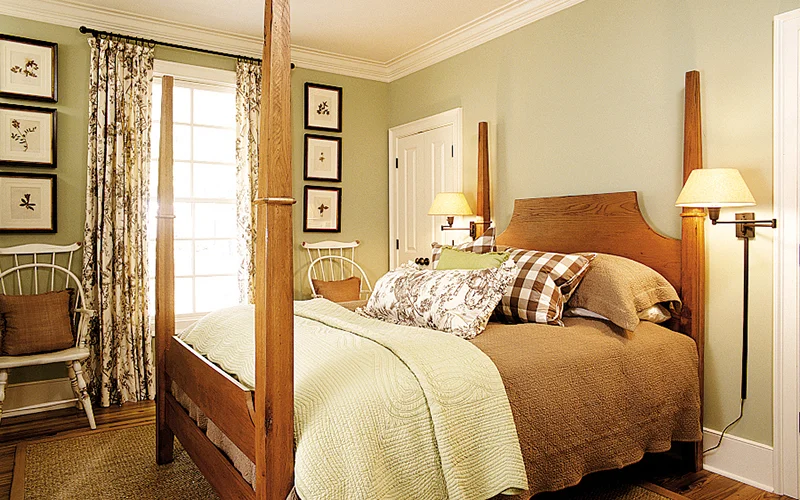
[(745, 224)]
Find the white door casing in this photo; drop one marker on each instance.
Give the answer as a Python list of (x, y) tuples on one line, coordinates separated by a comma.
[(424, 159), (786, 445)]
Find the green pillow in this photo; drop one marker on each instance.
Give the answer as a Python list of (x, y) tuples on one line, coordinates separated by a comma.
[(452, 258)]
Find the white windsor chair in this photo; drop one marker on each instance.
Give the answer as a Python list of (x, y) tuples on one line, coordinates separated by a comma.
[(332, 261), (24, 278)]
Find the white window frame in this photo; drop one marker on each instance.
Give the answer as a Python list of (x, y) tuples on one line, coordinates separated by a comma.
[(196, 77)]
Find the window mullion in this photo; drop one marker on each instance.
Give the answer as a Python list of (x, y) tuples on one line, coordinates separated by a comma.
[(195, 205)]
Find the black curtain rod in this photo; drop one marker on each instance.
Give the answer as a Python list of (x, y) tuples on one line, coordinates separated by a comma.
[(97, 33)]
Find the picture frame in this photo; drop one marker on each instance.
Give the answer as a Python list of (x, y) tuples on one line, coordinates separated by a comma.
[(27, 136), (323, 107), (322, 209), (322, 157), (28, 203), (28, 68)]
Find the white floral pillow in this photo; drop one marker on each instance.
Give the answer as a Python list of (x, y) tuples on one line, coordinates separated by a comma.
[(457, 301)]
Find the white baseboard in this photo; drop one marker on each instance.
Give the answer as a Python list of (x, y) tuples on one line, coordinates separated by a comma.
[(740, 459), (36, 393)]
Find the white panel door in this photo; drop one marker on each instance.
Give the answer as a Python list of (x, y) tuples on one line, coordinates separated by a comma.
[(424, 165)]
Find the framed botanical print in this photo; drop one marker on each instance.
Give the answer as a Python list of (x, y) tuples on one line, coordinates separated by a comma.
[(27, 136), (28, 69), (322, 209), (323, 158), (27, 203), (323, 107)]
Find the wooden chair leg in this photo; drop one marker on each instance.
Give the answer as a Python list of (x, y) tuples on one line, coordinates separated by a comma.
[(3, 383), (83, 393), (74, 381)]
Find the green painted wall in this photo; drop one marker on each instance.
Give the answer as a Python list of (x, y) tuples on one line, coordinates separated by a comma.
[(72, 129), (365, 155), (365, 180), (72, 123), (591, 100), (587, 100)]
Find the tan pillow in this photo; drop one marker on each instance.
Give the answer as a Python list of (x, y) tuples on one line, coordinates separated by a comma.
[(33, 324), (339, 290), (619, 289)]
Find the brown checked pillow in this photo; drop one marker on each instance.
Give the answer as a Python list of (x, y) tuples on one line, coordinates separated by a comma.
[(483, 244), (33, 324), (543, 284), (339, 290)]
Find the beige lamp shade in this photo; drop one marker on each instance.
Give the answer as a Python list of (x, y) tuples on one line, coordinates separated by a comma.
[(450, 204), (715, 188)]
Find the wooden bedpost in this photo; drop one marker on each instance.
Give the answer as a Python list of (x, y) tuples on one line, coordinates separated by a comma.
[(693, 253), (483, 208), (165, 275), (274, 394)]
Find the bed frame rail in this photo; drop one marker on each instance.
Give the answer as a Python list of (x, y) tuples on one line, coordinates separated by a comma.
[(216, 468), (274, 300), (225, 401), (271, 429), (693, 249)]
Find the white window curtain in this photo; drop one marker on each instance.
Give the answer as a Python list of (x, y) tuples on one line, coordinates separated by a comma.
[(115, 242), (248, 103)]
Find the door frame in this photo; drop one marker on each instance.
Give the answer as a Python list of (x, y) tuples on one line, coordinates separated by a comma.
[(786, 314), (452, 117)]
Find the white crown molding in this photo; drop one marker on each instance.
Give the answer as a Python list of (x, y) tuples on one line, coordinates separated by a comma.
[(339, 64), (75, 15), (510, 17), (500, 21)]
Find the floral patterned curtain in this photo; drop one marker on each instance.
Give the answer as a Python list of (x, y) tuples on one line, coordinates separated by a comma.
[(115, 243), (248, 102)]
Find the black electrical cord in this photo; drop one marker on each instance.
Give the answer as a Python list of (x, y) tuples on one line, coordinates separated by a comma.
[(741, 412)]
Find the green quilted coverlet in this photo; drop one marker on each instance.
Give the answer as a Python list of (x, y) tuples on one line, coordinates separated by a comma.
[(382, 410)]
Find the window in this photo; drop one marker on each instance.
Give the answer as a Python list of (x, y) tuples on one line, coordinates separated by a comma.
[(204, 150)]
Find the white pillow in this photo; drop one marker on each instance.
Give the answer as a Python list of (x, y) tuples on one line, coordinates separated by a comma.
[(655, 314), (457, 301)]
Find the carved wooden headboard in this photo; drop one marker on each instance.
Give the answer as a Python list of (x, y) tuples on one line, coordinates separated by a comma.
[(607, 223), (612, 223)]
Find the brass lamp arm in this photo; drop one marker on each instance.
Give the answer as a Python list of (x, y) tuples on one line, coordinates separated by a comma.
[(751, 223)]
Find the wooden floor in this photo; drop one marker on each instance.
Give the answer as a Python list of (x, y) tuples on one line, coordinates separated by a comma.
[(658, 469)]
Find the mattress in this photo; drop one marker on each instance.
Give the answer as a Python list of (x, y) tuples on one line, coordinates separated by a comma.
[(585, 397)]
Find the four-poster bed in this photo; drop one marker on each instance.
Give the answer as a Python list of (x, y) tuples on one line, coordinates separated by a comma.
[(260, 422)]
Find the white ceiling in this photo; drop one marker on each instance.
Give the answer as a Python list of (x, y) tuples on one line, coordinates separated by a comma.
[(376, 30), (375, 39)]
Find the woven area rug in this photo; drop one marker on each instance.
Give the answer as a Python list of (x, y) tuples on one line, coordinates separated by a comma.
[(107, 465), (609, 491), (120, 464)]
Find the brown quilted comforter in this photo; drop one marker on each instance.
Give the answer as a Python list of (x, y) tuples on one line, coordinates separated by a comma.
[(586, 398)]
